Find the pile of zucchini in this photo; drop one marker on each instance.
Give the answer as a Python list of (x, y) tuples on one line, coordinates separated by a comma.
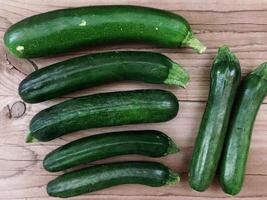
[(64, 30), (224, 136)]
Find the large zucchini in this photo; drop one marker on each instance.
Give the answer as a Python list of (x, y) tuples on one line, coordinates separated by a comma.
[(148, 142), (247, 103), (107, 175), (67, 29), (100, 110), (96, 69), (225, 76)]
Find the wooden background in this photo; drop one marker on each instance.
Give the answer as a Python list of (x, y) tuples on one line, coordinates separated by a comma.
[(242, 24)]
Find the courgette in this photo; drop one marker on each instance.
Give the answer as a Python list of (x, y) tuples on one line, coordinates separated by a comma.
[(148, 142), (96, 69), (225, 77), (100, 110), (107, 175), (250, 95), (73, 28)]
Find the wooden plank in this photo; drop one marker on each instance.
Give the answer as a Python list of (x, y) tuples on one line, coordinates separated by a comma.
[(167, 197), (194, 5)]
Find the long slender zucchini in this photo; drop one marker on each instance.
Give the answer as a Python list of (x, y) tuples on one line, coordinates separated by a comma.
[(107, 175), (100, 110), (247, 103), (95, 69), (148, 142), (73, 28), (225, 77)]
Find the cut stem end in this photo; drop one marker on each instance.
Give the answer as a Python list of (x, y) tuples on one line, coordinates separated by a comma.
[(177, 76), (30, 138), (172, 148), (173, 178), (261, 71), (193, 42)]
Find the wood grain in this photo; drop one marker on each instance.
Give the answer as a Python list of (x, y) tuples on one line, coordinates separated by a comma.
[(241, 24)]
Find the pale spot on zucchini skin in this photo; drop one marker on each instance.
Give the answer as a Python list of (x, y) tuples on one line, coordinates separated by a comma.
[(83, 23), (20, 48)]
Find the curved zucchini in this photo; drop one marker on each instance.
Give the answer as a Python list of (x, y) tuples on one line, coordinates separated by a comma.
[(73, 28), (247, 103), (149, 143), (107, 175), (225, 77), (100, 110), (96, 69)]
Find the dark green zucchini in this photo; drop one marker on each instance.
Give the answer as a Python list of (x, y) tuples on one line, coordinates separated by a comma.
[(107, 175), (73, 28), (100, 110), (148, 142), (96, 69), (225, 77), (247, 103)]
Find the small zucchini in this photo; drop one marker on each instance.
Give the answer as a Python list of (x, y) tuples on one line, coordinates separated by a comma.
[(148, 142), (74, 28), (247, 103), (100, 110), (225, 77), (96, 69), (107, 175)]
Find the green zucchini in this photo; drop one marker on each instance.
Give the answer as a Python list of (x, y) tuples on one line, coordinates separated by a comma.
[(100, 110), (74, 28), (107, 175), (225, 77), (148, 142), (247, 103), (96, 69)]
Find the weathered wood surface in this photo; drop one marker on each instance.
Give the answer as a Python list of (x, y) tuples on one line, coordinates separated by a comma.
[(242, 24)]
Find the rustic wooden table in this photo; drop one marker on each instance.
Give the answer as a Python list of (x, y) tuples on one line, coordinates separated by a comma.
[(242, 24)]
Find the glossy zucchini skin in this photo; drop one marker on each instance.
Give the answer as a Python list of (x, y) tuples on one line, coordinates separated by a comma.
[(105, 109), (107, 175), (147, 142), (225, 77), (247, 103), (100, 68), (63, 30)]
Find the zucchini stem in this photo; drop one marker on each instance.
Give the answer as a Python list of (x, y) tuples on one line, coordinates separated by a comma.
[(30, 138), (177, 76), (192, 41), (224, 54), (172, 148), (261, 71), (173, 178)]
